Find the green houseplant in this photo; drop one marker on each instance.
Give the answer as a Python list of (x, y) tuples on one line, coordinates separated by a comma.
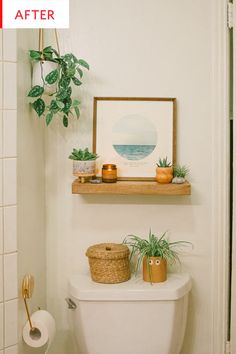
[(58, 84), (164, 171), (180, 173), (154, 252), (84, 162)]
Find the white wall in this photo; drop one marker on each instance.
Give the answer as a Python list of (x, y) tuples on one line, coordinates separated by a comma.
[(8, 200), (31, 188), (153, 49)]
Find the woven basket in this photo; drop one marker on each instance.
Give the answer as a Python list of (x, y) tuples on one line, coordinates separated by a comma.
[(109, 263)]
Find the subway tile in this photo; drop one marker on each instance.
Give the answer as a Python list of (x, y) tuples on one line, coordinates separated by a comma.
[(1, 45), (9, 133), (1, 326), (9, 86), (11, 322), (9, 45), (1, 134), (11, 350), (1, 182), (1, 230), (9, 229), (9, 181), (10, 276), (1, 278), (1, 85)]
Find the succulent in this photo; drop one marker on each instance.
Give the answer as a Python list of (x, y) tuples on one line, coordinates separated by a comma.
[(61, 103), (83, 155), (180, 171), (163, 162), (153, 247)]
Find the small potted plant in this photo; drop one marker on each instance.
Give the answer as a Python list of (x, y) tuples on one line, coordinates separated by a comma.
[(54, 75), (179, 173), (164, 171), (154, 253), (84, 162)]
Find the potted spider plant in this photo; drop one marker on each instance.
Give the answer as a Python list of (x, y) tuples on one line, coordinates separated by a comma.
[(164, 171), (155, 253), (179, 173), (84, 162), (53, 76)]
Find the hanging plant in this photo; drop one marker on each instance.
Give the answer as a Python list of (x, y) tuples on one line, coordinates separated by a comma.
[(53, 93)]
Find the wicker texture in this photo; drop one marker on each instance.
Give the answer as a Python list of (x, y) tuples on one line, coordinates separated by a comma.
[(109, 263)]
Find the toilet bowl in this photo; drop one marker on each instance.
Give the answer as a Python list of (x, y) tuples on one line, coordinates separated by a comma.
[(129, 318)]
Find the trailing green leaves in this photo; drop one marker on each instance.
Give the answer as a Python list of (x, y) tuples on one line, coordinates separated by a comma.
[(64, 77), (36, 91), (39, 106)]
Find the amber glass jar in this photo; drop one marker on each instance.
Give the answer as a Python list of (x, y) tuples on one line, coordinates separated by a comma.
[(109, 173)]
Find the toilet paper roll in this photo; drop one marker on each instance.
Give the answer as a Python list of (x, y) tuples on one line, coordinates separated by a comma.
[(44, 332)]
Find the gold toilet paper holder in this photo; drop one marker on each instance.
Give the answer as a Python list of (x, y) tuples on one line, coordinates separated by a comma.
[(27, 292)]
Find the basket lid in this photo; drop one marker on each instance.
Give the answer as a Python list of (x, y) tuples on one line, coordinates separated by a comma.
[(108, 251), (81, 287)]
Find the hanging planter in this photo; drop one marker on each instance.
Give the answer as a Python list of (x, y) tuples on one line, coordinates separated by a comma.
[(54, 78)]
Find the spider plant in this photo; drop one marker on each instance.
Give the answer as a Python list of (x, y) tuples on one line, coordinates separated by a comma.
[(154, 246)]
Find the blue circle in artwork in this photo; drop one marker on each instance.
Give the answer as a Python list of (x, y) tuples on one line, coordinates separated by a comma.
[(134, 137)]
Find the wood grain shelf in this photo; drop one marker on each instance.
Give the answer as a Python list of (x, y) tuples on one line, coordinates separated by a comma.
[(132, 188)]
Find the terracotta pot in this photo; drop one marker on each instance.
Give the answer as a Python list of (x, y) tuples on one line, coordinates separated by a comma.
[(164, 174), (156, 271)]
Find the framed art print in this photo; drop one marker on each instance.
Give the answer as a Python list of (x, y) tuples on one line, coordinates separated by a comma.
[(134, 133)]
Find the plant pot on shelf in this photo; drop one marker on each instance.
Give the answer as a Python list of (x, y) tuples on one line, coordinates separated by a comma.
[(164, 174), (40, 70), (84, 167), (154, 269)]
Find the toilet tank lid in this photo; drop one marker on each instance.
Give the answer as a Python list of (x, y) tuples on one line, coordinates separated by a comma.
[(81, 287)]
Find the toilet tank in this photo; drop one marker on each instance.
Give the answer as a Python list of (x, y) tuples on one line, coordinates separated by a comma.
[(129, 318)]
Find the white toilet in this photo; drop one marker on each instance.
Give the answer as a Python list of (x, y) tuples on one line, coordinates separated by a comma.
[(129, 318)]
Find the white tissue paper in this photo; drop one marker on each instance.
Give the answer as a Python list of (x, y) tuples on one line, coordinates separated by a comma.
[(45, 330)]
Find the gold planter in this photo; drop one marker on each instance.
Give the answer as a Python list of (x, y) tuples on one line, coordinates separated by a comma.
[(154, 269), (164, 174)]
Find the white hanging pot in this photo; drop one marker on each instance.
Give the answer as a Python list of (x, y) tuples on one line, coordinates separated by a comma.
[(40, 70)]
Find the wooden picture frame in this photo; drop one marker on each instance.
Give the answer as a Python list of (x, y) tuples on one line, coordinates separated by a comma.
[(133, 133)]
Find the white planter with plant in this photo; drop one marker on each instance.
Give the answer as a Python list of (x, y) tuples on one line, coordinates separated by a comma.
[(155, 254), (179, 173), (84, 162), (57, 80)]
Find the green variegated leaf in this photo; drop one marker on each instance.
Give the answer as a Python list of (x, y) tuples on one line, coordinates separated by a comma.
[(62, 94), (36, 91), (75, 102), (83, 63), (52, 77), (39, 106), (65, 121), (77, 112), (76, 81), (49, 117), (35, 54), (68, 103), (80, 72), (60, 104)]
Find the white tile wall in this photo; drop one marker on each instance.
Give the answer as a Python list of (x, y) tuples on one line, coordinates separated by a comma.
[(9, 133), (1, 326), (9, 86), (10, 276), (8, 230), (9, 181), (10, 235), (11, 350), (9, 45), (11, 309), (1, 231)]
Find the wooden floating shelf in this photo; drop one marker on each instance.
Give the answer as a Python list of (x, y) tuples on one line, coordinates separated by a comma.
[(132, 188)]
